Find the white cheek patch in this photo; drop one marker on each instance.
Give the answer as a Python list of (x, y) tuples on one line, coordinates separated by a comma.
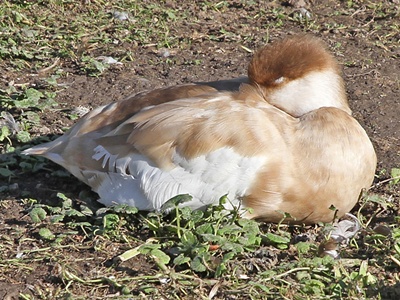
[(313, 91)]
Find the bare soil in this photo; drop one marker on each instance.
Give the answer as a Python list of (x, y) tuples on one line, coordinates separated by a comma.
[(368, 52)]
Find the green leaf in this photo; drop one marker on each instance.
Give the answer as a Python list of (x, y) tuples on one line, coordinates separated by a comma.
[(186, 213), (46, 234), (54, 209), (37, 214), (4, 133), (206, 228), (229, 229), (314, 287), (363, 271), (176, 201), (86, 211), (221, 269), (228, 256), (189, 239), (73, 213), (25, 165), (216, 239), (123, 208), (249, 226), (276, 239), (181, 259), (79, 224), (197, 265), (99, 66), (223, 200), (6, 172), (161, 256), (249, 240), (197, 216), (260, 286), (31, 99), (129, 254), (303, 247), (303, 276), (397, 248), (67, 202), (56, 218), (282, 246), (23, 136), (395, 173), (229, 246), (110, 222), (147, 248)]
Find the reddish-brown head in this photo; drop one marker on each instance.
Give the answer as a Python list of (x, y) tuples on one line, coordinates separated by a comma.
[(290, 59), (298, 75)]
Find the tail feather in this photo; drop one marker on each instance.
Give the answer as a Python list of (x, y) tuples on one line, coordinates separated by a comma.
[(36, 150), (45, 151)]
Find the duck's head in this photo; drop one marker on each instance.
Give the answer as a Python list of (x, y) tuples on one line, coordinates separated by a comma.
[(298, 75)]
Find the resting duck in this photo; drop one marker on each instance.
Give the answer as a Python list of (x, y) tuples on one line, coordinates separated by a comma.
[(281, 140)]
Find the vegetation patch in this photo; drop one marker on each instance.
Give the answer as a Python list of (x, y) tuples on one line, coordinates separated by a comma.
[(61, 58)]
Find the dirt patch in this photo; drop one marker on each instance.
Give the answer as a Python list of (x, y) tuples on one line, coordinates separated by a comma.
[(361, 38)]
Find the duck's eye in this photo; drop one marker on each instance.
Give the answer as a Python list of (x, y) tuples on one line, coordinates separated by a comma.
[(279, 80)]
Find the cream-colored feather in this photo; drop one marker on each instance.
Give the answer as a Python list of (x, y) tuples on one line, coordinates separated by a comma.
[(281, 140)]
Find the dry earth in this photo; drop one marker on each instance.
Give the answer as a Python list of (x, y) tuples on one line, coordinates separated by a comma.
[(211, 45)]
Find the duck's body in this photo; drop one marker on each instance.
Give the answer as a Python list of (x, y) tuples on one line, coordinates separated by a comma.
[(283, 142)]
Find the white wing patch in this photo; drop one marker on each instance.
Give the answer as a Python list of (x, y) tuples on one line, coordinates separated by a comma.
[(102, 153), (135, 181)]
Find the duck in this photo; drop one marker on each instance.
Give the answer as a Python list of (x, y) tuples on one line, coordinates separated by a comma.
[(280, 143)]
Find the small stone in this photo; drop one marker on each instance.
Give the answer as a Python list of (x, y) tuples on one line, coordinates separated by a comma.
[(120, 15), (13, 187), (383, 230)]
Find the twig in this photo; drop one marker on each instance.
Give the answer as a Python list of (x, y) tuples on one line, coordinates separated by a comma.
[(357, 11), (395, 260), (57, 60), (289, 272), (246, 49), (360, 74), (387, 180)]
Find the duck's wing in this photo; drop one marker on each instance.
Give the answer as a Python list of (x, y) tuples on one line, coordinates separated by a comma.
[(104, 119), (206, 146), (73, 150)]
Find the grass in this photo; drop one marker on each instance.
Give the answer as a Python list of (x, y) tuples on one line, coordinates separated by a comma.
[(75, 249), (191, 250)]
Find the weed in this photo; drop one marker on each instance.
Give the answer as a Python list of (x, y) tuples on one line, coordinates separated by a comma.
[(74, 249)]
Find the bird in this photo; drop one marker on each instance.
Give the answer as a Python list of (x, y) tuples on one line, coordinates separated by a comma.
[(280, 143)]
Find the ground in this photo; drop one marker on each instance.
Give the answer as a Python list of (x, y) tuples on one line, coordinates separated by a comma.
[(54, 47)]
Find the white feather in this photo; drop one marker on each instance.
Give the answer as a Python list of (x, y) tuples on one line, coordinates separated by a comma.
[(206, 178), (310, 92)]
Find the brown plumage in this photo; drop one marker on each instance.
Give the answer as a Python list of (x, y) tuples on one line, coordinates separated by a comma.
[(282, 140)]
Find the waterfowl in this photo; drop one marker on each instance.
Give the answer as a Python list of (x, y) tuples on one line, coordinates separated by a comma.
[(281, 140)]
